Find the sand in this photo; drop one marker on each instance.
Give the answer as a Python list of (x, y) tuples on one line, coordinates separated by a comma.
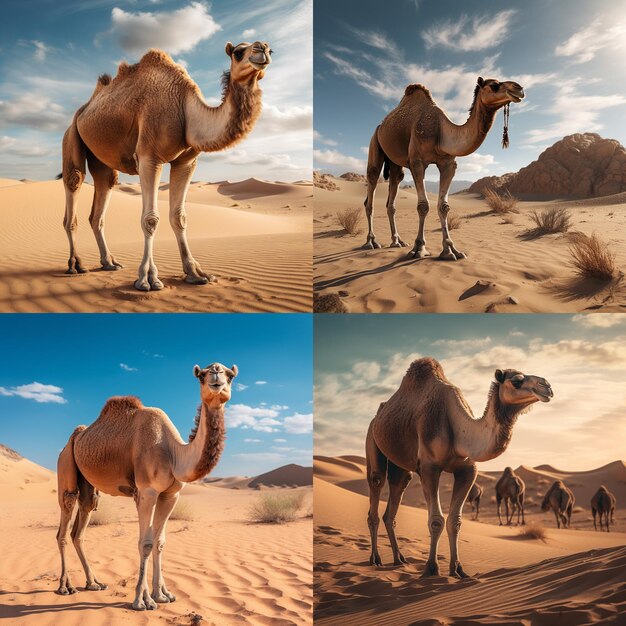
[(575, 577), (219, 565), (254, 236), (514, 274)]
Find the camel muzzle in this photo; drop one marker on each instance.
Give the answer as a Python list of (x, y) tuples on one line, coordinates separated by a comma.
[(544, 392), (260, 58)]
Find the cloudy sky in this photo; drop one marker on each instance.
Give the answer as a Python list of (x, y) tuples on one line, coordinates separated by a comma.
[(51, 54), (568, 54), (361, 359), (64, 367)]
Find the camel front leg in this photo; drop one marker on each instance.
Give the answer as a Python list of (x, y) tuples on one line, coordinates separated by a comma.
[(418, 170), (499, 503), (146, 503), (67, 502), (446, 174), (375, 159), (180, 177), (463, 480), (399, 480), (395, 178), (593, 511), (149, 177), (430, 475), (164, 507)]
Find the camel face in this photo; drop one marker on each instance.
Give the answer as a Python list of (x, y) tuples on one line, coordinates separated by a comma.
[(496, 93), (519, 388), (248, 60), (215, 382)]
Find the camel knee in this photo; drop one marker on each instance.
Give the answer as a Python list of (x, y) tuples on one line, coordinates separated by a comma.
[(389, 520), (444, 209), (69, 500), (372, 521), (70, 224), (453, 524), (149, 223), (372, 175), (73, 178), (422, 209), (159, 545), (435, 525), (178, 219), (145, 547), (96, 221)]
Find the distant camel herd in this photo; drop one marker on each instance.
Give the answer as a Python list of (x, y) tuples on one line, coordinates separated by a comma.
[(511, 489)]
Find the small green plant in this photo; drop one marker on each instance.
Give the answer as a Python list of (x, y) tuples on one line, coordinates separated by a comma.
[(276, 508)]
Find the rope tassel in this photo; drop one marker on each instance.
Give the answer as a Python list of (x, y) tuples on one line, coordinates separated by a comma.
[(505, 132)]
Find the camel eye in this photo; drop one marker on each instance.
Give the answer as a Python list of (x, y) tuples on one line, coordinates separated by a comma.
[(495, 86), (238, 54), (517, 380), (271, 52)]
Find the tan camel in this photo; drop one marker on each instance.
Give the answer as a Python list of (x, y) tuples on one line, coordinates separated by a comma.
[(427, 427), (473, 497), (136, 451), (511, 488), (153, 113), (603, 505), (561, 500), (417, 133)]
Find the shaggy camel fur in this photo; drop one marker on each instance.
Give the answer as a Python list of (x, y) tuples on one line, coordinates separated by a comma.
[(561, 500), (153, 113), (473, 497), (603, 505), (427, 427), (511, 488), (136, 451), (417, 133)]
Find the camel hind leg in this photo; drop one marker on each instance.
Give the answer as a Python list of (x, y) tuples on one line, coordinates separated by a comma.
[(399, 480), (395, 178), (104, 179), (464, 478), (74, 155), (418, 171), (375, 160), (164, 507), (446, 174), (376, 473)]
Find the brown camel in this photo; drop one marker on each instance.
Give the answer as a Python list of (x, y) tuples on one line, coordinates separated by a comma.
[(511, 488), (153, 113), (427, 427), (561, 500), (473, 497), (603, 505), (417, 133), (136, 451)]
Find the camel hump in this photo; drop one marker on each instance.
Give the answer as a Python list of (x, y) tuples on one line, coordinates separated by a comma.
[(154, 56), (425, 368), (120, 405), (411, 89)]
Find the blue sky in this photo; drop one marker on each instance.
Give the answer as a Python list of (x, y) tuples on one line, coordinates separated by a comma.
[(51, 54), (59, 370), (568, 54), (361, 359)]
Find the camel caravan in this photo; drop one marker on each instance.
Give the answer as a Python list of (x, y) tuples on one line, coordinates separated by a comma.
[(418, 133), (152, 113), (135, 451)]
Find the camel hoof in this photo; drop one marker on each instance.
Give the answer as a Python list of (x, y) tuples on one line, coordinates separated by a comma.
[(142, 285), (156, 284), (95, 586), (419, 254), (371, 245), (139, 606), (447, 256), (458, 572), (161, 599), (431, 569), (197, 280), (111, 267), (375, 559), (66, 591), (398, 244), (400, 560)]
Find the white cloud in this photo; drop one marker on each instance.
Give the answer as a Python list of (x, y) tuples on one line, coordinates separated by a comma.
[(174, 31), (40, 50), (128, 368), (240, 386), (280, 440), (335, 158), (34, 111), (467, 33), (317, 136), (463, 344), (270, 457), (594, 320), (249, 32), (37, 392), (6, 142), (298, 423), (261, 382), (256, 418), (248, 440), (279, 407), (584, 44)]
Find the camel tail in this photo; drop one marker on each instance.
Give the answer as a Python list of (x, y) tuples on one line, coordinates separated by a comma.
[(58, 176), (67, 472), (386, 168)]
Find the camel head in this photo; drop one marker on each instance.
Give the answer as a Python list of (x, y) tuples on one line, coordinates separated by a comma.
[(516, 388), (215, 382), (494, 93), (248, 61), (508, 471)]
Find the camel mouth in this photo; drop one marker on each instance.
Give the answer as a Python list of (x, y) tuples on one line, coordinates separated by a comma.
[(544, 395), (259, 66), (216, 386), (516, 97)]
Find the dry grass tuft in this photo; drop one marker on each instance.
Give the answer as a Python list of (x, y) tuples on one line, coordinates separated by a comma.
[(500, 203), (454, 221), (105, 514), (350, 220), (183, 511), (533, 531), (276, 508), (591, 257), (549, 221)]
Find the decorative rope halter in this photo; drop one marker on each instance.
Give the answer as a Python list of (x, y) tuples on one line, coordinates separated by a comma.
[(505, 132)]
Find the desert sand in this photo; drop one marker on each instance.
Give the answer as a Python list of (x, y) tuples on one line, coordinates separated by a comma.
[(254, 236), (573, 577), (218, 564), (504, 272)]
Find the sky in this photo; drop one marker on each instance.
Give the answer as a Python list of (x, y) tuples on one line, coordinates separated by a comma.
[(567, 54), (51, 54), (63, 368), (361, 359)]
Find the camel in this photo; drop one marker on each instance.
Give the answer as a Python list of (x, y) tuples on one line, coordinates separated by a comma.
[(427, 427), (603, 504), (511, 488), (417, 133), (561, 500), (473, 497), (149, 114), (135, 451)]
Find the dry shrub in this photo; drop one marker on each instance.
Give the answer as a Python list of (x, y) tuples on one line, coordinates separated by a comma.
[(500, 203), (183, 511), (328, 303), (454, 221), (591, 257), (578, 509), (276, 508), (350, 220), (533, 531), (105, 514), (551, 220)]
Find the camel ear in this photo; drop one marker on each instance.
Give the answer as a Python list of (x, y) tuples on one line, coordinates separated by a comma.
[(229, 48), (481, 81), (197, 371), (499, 376), (234, 370)]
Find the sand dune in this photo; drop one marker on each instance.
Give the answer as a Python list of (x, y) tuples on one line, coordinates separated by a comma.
[(218, 564), (504, 272), (288, 475), (260, 252), (574, 577)]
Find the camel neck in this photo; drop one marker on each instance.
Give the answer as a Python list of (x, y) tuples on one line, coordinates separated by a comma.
[(206, 442), (214, 128), (462, 140)]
